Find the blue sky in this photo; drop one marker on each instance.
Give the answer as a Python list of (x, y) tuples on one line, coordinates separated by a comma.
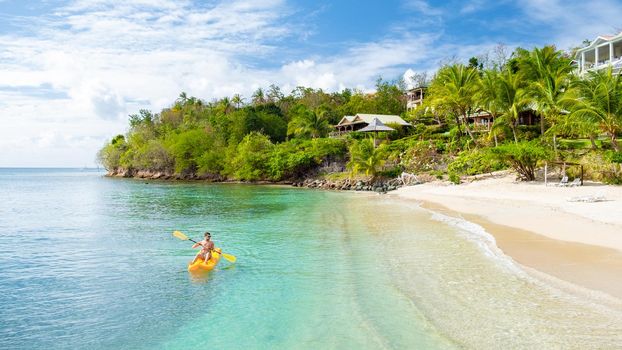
[(71, 71)]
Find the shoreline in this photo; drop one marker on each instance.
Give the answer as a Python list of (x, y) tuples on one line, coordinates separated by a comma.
[(537, 228)]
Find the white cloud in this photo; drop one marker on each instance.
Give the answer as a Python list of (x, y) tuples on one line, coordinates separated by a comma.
[(472, 6), (573, 21), (102, 56), (422, 7), (96, 61)]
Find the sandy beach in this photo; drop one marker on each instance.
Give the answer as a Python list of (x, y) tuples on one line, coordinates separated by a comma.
[(560, 231)]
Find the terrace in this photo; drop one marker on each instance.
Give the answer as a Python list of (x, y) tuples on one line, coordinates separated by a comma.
[(603, 52), (414, 98)]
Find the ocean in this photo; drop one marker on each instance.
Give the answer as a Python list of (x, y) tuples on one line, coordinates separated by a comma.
[(89, 262)]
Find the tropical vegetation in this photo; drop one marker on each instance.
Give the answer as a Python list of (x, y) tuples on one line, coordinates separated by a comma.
[(274, 136)]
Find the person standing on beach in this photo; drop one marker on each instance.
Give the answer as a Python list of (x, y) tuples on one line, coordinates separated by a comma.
[(206, 248)]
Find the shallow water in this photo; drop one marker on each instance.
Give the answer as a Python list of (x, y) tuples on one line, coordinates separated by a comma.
[(89, 262)]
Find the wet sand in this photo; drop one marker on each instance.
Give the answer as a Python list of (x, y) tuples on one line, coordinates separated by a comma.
[(539, 228)]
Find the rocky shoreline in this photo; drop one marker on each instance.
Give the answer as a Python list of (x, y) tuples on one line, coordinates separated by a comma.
[(380, 186), (376, 185)]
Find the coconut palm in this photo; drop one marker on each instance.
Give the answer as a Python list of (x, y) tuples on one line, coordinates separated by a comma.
[(307, 123), (365, 158), (226, 105), (237, 100), (488, 98), (549, 72), (513, 98), (600, 102), (455, 88), (259, 97)]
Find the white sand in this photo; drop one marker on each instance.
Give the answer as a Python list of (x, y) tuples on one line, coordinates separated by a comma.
[(545, 210)]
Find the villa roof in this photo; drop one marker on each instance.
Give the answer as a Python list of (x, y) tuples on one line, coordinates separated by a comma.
[(376, 125), (384, 118), (347, 119), (599, 40)]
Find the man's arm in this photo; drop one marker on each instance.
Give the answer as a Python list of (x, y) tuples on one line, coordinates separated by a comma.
[(198, 244)]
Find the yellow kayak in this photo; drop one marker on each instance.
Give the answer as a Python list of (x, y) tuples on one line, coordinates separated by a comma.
[(201, 266)]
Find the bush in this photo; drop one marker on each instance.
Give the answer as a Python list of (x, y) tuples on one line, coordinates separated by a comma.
[(211, 162), (364, 158), (421, 156), (250, 159), (478, 161), (523, 157), (455, 178), (605, 167), (153, 156), (188, 147), (296, 158)]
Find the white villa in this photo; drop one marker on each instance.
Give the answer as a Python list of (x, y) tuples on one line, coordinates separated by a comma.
[(414, 98), (603, 52)]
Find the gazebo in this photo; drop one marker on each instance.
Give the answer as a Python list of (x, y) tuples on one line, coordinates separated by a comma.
[(375, 126)]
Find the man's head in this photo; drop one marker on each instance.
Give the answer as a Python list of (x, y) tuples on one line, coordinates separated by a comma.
[(207, 235)]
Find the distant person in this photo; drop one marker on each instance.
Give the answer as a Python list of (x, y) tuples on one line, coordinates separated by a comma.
[(206, 248)]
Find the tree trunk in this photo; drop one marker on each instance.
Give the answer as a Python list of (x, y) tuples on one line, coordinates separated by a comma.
[(614, 142), (541, 124), (458, 125), (514, 132), (593, 142), (468, 129)]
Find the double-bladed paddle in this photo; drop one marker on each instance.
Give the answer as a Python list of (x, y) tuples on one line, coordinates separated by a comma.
[(183, 237)]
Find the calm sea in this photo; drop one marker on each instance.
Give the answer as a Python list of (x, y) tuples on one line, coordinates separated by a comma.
[(88, 262)]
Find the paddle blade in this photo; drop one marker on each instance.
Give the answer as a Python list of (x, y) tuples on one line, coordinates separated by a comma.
[(229, 257), (180, 235)]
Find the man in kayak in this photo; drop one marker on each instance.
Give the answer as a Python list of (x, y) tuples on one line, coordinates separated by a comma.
[(206, 248)]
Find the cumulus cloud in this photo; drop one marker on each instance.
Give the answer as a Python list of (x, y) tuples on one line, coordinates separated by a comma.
[(74, 73), (571, 22)]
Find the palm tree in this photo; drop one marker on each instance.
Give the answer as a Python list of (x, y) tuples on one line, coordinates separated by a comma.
[(455, 88), (366, 158), (259, 97), (309, 123), (237, 100), (225, 104), (183, 98), (488, 98), (600, 102), (549, 71), (513, 98)]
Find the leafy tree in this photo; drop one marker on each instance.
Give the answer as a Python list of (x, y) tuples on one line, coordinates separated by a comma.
[(110, 155), (153, 156), (274, 94), (187, 148), (250, 161), (523, 157), (144, 117), (389, 98)]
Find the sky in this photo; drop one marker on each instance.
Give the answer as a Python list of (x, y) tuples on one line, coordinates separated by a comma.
[(72, 71)]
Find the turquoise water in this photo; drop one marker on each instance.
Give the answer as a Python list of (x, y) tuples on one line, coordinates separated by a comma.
[(89, 262)]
